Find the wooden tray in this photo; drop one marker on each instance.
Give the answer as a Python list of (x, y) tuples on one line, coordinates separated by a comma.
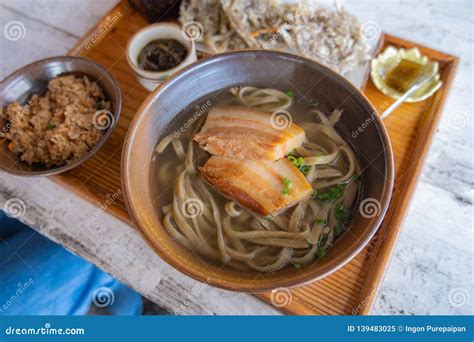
[(352, 289)]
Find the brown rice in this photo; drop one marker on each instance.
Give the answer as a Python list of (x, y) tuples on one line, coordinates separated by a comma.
[(57, 127)]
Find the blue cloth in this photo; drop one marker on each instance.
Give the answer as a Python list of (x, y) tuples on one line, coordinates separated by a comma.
[(39, 277)]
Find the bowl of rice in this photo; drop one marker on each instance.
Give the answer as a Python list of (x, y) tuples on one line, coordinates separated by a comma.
[(55, 114)]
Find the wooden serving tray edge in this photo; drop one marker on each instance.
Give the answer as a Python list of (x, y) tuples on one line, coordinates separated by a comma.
[(388, 237), (388, 233)]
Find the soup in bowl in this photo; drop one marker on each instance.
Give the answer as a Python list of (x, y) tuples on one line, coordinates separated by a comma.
[(255, 170)]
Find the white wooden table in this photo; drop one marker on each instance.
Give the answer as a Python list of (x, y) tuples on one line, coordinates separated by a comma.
[(431, 271)]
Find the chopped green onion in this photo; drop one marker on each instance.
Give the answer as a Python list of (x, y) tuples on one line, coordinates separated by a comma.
[(293, 160), (290, 94), (288, 184), (321, 221), (320, 251), (51, 125), (339, 229), (299, 163), (332, 194), (305, 169), (341, 213), (296, 161)]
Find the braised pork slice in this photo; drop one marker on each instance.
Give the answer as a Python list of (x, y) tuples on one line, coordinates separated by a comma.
[(264, 187), (244, 133)]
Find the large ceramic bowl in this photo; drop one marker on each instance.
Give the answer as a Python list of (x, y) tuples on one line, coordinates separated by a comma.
[(360, 126), (33, 79)]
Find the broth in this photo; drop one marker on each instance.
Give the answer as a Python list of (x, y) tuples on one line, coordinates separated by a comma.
[(199, 217)]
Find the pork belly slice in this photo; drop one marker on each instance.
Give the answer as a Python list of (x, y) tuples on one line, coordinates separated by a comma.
[(244, 133), (264, 187)]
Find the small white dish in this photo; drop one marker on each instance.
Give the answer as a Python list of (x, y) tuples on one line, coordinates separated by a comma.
[(152, 79), (390, 58)]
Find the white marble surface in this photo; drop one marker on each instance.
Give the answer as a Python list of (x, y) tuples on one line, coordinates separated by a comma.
[(431, 271)]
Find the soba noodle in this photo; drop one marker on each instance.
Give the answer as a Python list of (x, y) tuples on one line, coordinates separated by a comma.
[(205, 222)]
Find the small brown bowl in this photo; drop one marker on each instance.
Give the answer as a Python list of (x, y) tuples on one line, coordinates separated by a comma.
[(360, 126), (33, 79)]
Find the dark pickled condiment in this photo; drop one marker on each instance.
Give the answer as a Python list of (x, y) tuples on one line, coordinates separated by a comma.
[(161, 55), (402, 76)]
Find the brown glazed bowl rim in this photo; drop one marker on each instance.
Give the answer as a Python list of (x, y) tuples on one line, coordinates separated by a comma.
[(117, 104), (217, 280)]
